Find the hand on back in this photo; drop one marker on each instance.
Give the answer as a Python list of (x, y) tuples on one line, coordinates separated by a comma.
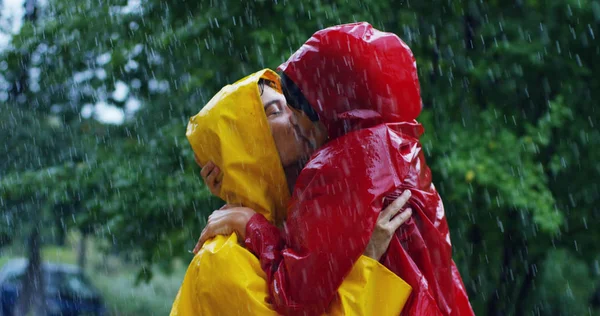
[(210, 174), (387, 223), (226, 221)]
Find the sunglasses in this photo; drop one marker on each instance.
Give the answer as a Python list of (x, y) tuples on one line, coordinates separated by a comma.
[(296, 99)]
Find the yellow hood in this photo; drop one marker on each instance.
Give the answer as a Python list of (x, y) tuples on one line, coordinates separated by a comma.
[(232, 131)]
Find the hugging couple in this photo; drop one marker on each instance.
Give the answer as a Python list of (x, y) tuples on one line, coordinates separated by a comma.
[(330, 205)]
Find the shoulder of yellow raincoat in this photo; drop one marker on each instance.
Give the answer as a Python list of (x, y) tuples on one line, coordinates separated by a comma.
[(223, 279)]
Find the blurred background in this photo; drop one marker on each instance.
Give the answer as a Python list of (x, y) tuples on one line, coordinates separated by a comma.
[(97, 177)]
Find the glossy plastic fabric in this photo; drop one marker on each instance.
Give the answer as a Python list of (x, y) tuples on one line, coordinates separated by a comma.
[(354, 74), (223, 279), (232, 131), (374, 156), (226, 279)]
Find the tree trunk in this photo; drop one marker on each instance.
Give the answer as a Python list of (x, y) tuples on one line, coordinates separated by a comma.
[(526, 286), (81, 253), (32, 296), (61, 231), (19, 86), (493, 306)]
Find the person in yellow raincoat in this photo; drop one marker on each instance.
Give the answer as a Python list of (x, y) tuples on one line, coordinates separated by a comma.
[(234, 132)]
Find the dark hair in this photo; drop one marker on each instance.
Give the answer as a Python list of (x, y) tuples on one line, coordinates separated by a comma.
[(262, 82), (296, 99)]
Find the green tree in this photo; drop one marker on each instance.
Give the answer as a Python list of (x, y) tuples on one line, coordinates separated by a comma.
[(508, 89)]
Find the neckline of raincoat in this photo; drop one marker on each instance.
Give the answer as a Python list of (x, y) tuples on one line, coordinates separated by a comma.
[(232, 131), (355, 77)]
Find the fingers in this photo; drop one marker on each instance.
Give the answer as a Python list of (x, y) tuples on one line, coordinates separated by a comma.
[(197, 247), (205, 234), (203, 237), (206, 170), (210, 174), (214, 226), (225, 222), (399, 220), (217, 185), (211, 178), (395, 207)]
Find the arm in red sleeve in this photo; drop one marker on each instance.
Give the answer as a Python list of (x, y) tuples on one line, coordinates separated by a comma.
[(265, 241)]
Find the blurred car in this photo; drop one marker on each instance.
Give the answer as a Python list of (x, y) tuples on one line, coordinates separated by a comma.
[(68, 290)]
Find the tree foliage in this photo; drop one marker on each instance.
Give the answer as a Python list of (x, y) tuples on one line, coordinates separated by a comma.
[(510, 117)]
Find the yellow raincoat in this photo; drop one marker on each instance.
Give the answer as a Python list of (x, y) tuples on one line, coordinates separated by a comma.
[(226, 279)]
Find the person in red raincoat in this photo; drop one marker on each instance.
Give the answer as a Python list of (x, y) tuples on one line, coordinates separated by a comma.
[(360, 85)]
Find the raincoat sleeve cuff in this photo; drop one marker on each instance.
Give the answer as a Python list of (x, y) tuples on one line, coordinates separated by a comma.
[(264, 240)]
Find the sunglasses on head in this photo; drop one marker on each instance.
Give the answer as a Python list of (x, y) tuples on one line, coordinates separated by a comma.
[(296, 99)]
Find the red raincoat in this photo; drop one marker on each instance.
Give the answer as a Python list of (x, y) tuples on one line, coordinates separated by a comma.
[(363, 85)]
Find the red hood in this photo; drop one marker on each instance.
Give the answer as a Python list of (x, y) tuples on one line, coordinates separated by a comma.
[(355, 76)]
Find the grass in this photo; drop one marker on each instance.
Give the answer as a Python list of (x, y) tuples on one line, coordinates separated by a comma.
[(115, 279), (124, 298)]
